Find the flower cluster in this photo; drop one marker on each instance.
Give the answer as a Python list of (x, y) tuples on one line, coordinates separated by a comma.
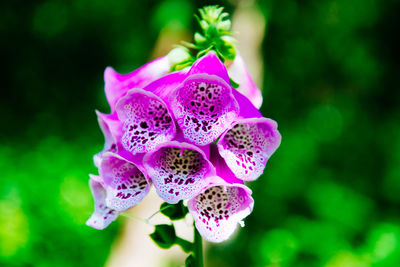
[(188, 133)]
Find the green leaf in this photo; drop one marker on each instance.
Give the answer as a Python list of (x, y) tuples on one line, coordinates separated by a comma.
[(164, 235), (174, 211), (190, 261), (185, 245)]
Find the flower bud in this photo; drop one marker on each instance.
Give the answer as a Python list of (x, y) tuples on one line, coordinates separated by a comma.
[(204, 25), (224, 25), (199, 39), (178, 55)]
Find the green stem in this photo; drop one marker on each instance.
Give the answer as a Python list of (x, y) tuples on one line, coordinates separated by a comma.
[(130, 216), (155, 213), (198, 248)]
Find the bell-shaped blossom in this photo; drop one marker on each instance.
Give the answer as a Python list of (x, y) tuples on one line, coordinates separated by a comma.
[(219, 208), (102, 215), (239, 73), (146, 119), (248, 145), (125, 183), (178, 170)]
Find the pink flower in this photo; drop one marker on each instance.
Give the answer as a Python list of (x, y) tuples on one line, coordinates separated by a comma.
[(189, 133), (219, 207)]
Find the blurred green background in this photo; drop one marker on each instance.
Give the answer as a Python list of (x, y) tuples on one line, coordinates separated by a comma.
[(330, 195)]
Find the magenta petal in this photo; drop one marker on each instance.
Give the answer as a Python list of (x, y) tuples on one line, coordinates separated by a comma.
[(125, 184), (219, 208), (221, 168), (102, 215), (247, 109), (112, 131), (178, 170), (147, 121), (247, 146), (164, 86), (204, 107), (116, 85), (210, 64), (238, 72)]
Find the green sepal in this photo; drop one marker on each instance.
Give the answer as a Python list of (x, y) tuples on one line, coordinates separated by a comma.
[(204, 51), (227, 47), (174, 211), (189, 45), (233, 83), (220, 55), (181, 65), (164, 235)]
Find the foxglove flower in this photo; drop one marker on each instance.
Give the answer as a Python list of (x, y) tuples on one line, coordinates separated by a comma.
[(219, 208), (102, 215), (178, 170), (247, 146), (188, 132), (146, 119), (125, 183)]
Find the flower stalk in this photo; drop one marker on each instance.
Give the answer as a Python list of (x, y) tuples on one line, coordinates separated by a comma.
[(198, 251)]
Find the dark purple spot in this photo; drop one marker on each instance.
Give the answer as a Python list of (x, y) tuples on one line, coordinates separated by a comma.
[(144, 125)]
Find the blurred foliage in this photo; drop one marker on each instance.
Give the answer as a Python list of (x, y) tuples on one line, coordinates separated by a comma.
[(330, 196)]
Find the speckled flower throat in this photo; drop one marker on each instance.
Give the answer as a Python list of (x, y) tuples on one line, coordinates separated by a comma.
[(165, 119)]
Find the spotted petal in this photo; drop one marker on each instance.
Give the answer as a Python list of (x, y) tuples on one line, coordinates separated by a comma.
[(238, 72), (204, 107), (146, 119), (219, 208), (125, 184), (178, 170), (247, 146), (102, 215), (117, 85)]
